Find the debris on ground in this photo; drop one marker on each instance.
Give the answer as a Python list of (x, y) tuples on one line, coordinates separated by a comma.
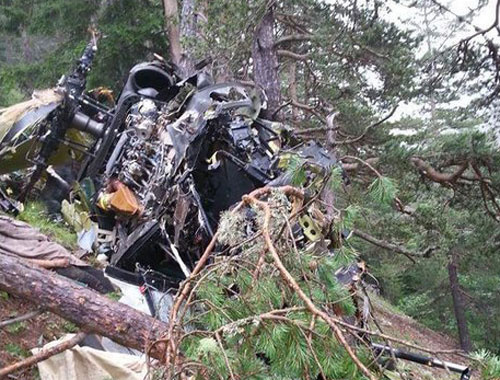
[(211, 219)]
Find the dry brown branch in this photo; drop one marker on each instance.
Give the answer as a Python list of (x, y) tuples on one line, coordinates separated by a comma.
[(226, 360), (21, 318), (43, 355), (185, 288), (250, 199), (183, 293)]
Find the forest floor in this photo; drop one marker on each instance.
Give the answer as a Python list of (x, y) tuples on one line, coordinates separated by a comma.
[(399, 325), (18, 339)]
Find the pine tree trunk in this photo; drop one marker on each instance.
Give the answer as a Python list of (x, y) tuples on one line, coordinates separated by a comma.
[(82, 306), (458, 305), (292, 89), (265, 63), (188, 33), (172, 29)]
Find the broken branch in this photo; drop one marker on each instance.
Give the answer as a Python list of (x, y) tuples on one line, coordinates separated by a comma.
[(249, 199), (21, 318), (82, 306), (43, 355)]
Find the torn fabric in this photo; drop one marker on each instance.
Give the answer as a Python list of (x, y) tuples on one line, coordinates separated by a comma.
[(86, 363), (20, 240)]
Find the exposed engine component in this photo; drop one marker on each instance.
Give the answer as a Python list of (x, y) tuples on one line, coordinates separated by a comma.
[(138, 157)]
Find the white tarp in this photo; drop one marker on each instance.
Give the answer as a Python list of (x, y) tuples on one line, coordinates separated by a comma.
[(86, 363)]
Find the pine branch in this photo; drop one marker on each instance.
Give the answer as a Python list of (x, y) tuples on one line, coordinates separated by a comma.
[(386, 245)]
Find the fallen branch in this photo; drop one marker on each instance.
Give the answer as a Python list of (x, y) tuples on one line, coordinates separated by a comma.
[(84, 307), (21, 318), (250, 199), (43, 355)]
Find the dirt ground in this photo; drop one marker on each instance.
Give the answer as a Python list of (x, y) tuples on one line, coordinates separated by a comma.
[(403, 327), (17, 339)]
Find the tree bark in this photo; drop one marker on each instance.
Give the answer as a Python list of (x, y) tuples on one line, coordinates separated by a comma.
[(265, 63), (458, 305), (292, 89), (172, 29), (189, 32), (82, 306)]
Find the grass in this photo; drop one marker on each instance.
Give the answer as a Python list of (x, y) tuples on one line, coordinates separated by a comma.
[(36, 215), (16, 350), (384, 304), (69, 327), (115, 296), (16, 328)]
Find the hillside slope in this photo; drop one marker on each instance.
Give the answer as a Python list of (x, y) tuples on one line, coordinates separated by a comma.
[(16, 341), (399, 325)]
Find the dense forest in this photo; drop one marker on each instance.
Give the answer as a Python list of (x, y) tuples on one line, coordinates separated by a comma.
[(404, 92)]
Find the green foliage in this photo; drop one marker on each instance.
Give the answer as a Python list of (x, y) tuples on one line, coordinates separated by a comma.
[(16, 350), (350, 217), (4, 295), (489, 364), (35, 214), (16, 328), (296, 170), (336, 179), (383, 190), (69, 327), (234, 312), (115, 296)]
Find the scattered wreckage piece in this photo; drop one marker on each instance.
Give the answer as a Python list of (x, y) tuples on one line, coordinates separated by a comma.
[(156, 172), (84, 307), (162, 164), (464, 371)]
